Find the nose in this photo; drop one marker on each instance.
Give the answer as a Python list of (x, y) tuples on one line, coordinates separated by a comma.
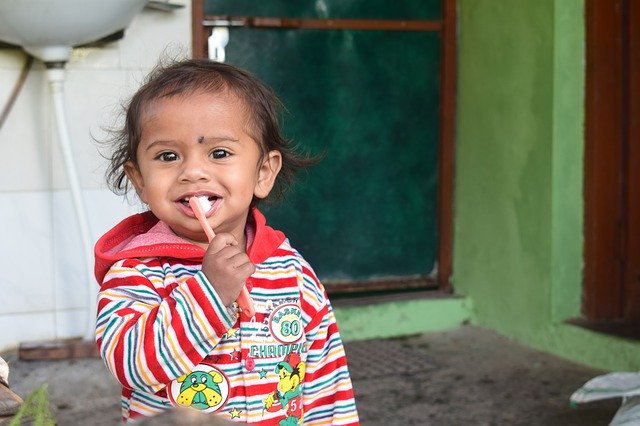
[(194, 169)]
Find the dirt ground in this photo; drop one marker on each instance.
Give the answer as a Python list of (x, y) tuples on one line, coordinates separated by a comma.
[(467, 375)]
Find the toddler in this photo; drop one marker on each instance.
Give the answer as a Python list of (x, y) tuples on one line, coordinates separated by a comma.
[(168, 327)]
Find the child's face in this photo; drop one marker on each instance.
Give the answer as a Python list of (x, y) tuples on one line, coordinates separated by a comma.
[(194, 145)]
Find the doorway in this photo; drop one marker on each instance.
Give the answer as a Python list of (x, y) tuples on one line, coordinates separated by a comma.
[(611, 296)]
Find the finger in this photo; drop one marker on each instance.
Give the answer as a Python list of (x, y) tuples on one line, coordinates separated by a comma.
[(246, 269), (239, 260), (221, 241), (227, 253)]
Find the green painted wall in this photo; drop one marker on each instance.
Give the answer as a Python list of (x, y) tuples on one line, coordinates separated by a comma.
[(393, 319), (567, 159), (518, 203), (502, 221)]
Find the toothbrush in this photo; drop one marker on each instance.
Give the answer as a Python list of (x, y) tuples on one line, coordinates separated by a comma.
[(200, 205)]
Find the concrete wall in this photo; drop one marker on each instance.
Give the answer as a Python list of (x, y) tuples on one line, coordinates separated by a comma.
[(44, 290), (518, 202), (503, 164)]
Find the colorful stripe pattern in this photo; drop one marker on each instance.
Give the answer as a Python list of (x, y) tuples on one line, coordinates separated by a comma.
[(162, 331)]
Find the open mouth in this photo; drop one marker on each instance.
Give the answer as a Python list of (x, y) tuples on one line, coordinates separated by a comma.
[(211, 198), (207, 203)]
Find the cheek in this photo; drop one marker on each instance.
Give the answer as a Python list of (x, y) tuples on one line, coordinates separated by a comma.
[(156, 185), (242, 180)]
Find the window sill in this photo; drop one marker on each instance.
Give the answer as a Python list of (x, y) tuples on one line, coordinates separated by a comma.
[(370, 298)]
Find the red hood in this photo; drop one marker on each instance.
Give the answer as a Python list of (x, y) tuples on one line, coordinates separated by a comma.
[(142, 235)]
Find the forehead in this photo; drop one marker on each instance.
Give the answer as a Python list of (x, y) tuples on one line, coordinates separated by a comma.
[(201, 103)]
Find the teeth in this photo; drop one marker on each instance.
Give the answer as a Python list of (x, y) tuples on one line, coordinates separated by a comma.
[(202, 199)]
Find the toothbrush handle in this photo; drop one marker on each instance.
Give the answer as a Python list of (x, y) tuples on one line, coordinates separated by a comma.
[(244, 299), (245, 303), (206, 227), (202, 218)]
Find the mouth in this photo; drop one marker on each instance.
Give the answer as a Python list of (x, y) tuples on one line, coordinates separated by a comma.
[(212, 198)]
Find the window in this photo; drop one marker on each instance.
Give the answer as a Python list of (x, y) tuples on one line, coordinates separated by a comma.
[(371, 86)]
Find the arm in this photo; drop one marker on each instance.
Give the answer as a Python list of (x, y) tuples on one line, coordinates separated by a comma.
[(151, 334), (327, 392)]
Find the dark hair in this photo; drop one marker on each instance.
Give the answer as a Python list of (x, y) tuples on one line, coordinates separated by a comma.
[(198, 76)]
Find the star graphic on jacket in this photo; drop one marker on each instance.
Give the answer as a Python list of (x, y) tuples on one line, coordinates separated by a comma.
[(235, 413), (235, 355), (231, 333), (263, 374)]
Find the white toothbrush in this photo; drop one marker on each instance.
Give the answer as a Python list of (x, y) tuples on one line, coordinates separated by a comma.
[(200, 205)]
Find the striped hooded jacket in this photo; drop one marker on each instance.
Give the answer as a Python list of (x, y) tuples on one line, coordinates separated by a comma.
[(164, 334)]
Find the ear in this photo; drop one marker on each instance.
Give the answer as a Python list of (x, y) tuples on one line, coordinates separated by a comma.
[(267, 173), (133, 173), (217, 377), (295, 381)]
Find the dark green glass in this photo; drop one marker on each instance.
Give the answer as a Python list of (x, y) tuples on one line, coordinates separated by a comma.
[(368, 101)]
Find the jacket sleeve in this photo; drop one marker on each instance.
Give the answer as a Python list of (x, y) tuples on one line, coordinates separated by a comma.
[(149, 335), (327, 392)]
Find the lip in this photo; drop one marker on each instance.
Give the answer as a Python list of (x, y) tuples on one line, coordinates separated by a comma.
[(183, 202)]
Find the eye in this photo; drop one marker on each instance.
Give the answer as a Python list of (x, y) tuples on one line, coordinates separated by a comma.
[(204, 379), (220, 153), (167, 156), (194, 380)]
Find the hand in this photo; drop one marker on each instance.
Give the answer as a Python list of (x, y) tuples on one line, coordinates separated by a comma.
[(270, 400), (227, 267)]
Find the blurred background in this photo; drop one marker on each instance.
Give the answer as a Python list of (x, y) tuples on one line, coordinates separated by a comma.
[(481, 160)]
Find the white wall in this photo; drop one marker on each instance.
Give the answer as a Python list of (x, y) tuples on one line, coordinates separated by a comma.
[(44, 293)]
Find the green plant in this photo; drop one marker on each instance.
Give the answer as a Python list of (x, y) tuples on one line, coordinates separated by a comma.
[(35, 409)]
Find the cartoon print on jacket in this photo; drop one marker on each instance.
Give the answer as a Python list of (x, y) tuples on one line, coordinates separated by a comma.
[(288, 393), (204, 389)]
